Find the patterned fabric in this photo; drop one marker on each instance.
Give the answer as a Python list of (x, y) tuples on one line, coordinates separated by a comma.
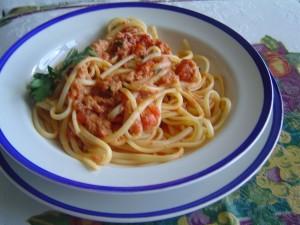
[(272, 197)]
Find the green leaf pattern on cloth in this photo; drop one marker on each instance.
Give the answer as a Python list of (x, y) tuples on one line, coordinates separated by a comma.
[(272, 197), (270, 42)]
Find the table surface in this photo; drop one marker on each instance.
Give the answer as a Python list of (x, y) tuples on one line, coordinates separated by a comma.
[(252, 19)]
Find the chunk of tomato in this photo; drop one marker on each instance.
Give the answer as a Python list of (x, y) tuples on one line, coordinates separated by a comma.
[(150, 117), (186, 70)]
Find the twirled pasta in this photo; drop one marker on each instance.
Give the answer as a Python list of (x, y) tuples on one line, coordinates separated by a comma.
[(135, 102)]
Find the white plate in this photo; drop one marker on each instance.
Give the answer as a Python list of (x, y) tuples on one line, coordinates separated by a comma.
[(114, 207), (247, 82)]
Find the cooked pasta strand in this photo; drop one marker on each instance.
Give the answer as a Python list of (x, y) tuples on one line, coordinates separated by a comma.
[(135, 102)]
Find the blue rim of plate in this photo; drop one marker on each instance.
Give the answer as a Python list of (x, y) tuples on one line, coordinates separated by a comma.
[(244, 176), (266, 109)]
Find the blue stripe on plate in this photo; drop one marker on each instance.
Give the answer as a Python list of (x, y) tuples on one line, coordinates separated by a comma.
[(263, 155), (265, 76)]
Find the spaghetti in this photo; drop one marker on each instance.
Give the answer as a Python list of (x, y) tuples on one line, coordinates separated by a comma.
[(135, 102)]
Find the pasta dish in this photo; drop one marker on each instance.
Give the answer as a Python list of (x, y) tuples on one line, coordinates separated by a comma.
[(128, 99)]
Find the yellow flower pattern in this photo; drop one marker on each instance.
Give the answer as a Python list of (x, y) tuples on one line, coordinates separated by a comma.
[(287, 160), (182, 221), (294, 198), (227, 218), (285, 137)]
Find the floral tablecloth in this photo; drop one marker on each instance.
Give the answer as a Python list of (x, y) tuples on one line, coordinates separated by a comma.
[(272, 197)]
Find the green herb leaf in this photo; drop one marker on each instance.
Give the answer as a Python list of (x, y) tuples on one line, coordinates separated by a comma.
[(74, 57), (53, 73), (42, 85)]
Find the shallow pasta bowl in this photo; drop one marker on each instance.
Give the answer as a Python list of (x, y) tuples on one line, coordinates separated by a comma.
[(246, 78)]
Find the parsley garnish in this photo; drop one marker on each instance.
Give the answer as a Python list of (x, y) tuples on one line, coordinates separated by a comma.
[(42, 85)]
